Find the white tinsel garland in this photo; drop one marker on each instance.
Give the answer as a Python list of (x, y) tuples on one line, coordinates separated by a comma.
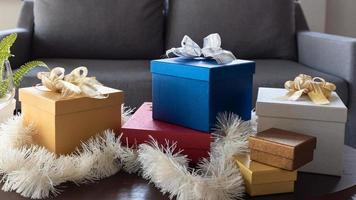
[(215, 178), (34, 172)]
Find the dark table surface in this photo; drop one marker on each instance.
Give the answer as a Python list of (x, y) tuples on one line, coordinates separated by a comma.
[(124, 186)]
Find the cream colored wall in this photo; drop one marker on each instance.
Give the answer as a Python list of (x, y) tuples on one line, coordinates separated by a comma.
[(9, 12), (331, 16), (315, 12), (341, 17)]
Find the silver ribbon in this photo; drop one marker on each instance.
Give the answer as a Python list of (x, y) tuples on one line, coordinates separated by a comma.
[(75, 83), (211, 49)]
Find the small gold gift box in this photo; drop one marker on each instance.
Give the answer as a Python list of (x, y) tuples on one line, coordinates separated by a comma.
[(62, 123), (262, 179)]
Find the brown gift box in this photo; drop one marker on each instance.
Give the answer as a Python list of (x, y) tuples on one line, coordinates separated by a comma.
[(62, 123), (282, 149)]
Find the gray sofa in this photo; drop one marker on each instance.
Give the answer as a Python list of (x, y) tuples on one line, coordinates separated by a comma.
[(116, 39)]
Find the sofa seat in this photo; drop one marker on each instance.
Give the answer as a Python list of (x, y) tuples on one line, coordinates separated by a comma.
[(134, 77)]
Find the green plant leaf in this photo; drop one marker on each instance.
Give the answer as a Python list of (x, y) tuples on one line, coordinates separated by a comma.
[(3, 88), (7, 42), (5, 54), (5, 47), (24, 69)]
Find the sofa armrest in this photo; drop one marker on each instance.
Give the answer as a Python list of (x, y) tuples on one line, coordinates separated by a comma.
[(328, 53), (26, 18), (21, 48), (334, 55)]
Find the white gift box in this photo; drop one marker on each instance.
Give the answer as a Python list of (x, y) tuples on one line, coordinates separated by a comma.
[(325, 122), (7, 110)]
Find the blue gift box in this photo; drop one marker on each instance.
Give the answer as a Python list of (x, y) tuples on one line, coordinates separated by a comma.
[(191, 92)]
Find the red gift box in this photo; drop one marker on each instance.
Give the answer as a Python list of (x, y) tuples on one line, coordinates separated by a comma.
[(141, 126)]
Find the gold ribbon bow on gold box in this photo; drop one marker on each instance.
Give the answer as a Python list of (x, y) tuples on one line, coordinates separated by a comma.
[(75, 83), (318, 90)]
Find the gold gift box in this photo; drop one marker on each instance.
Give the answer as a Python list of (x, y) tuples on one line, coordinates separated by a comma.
[(62, 123), (262, 179)]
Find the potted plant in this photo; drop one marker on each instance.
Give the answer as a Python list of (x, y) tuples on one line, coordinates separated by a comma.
[(9, 81)]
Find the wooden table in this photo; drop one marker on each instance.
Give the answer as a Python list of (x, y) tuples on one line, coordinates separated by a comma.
[(131, 187)]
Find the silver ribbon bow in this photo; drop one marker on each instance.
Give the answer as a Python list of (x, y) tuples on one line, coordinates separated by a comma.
[(75, 83), (211, 49)]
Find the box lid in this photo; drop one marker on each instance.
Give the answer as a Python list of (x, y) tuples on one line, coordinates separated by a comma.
[(258, 173), (141, 126), (270, 103), (55, 104), (201, 69), (282, 143)]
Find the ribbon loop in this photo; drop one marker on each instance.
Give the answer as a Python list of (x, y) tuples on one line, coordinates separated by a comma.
[(319, 80), (212, 45), (211, 49), (50, 79), (77, 74), (318, 90), (75, 83)]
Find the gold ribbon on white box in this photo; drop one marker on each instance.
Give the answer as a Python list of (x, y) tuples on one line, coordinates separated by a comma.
[(318, 90), (211, 49), (75, 83)]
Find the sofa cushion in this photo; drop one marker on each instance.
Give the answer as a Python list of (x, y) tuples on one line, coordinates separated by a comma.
[(131, 76), (109, 29), (274, 73), (251, 29)]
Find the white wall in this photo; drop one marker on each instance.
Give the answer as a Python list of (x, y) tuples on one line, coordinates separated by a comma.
[(341, 17), (331, 16), (315, 12), (9, 12)]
